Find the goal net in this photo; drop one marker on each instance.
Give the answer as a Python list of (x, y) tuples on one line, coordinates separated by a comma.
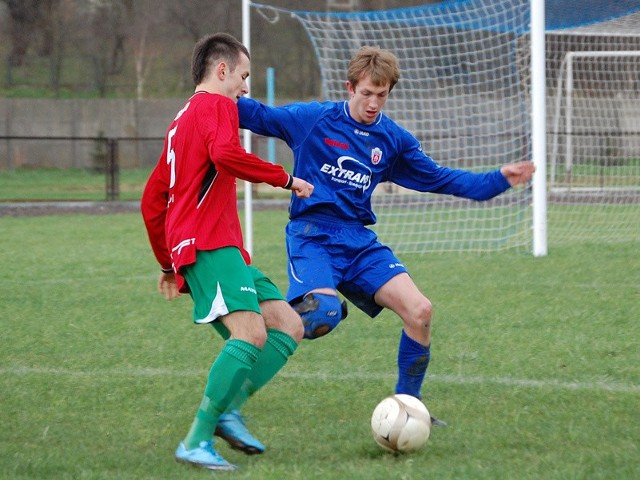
[(464, 92), (594, 125)]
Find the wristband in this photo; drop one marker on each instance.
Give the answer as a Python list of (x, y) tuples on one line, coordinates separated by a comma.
[(167, 270), (289, 183)]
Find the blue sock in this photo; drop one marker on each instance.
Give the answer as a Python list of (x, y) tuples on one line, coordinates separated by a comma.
[(413, 360)]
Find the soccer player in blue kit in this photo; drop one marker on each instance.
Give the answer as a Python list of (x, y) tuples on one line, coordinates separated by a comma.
[(345, 149)]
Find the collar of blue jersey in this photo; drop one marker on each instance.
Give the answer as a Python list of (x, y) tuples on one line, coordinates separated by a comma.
[(345, 107)]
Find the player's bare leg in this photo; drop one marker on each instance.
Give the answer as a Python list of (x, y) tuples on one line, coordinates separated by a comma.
[(279, 315), (401, 295)]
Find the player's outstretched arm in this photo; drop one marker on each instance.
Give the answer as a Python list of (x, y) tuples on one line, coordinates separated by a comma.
[(301, 188), (518, 173)]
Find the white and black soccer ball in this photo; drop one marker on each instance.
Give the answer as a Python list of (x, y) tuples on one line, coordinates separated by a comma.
[(401, 423)]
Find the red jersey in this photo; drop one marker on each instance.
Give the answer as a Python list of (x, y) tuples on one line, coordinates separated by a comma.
[(190, 202)]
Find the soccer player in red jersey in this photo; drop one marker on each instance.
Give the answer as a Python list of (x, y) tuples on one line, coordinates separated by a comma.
[(189, 207)]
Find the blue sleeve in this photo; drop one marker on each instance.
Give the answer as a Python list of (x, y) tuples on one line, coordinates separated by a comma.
[(290, 123), (415, 170)]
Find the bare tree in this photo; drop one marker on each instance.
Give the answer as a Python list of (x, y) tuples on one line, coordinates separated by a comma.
[(144, 34), (197, 18), (60, 18), (142, 60), (29, 21), (142, 46), (101, 28)]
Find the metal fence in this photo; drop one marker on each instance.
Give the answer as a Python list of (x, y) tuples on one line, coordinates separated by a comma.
[(107, 156), (51, 168)]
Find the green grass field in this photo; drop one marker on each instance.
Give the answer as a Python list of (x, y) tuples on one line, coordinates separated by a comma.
[(69, 184), (78, 184), (536, 365)]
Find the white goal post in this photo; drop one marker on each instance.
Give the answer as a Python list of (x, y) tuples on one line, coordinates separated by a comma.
[(538, 128), (246, 138)]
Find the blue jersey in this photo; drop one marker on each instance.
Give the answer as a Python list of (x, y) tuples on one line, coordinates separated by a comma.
[(345, 160)]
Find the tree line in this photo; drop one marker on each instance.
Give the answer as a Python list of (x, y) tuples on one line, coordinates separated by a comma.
[(142, 48)]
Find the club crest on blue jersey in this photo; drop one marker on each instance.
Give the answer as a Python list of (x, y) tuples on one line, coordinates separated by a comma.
[(376, 156)]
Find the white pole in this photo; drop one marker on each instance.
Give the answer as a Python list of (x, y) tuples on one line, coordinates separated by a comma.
[(248, 193), (538, 127), (568, 118)]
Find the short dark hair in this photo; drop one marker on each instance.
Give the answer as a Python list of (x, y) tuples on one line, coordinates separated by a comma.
[(212, 49)]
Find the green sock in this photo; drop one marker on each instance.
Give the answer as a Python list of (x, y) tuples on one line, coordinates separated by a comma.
[(226, 377), (277, 350)]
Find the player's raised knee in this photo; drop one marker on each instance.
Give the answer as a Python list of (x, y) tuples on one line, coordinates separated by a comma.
[(279, 315), (417, 316), (426, 309), (294, 328), (320, 313)]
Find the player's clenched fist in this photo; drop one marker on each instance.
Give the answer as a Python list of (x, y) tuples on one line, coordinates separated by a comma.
[(519, 172), (301, 188)]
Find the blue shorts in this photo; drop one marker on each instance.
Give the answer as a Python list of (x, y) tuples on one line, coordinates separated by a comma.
[(328, 253)]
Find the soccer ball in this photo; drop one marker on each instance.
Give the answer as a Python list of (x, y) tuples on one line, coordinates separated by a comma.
[(401, 423)]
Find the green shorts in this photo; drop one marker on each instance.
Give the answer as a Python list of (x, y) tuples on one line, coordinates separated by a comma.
[(220, 282)]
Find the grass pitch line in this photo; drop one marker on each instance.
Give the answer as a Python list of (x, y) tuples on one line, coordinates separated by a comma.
[(319, 377), (476, 380)]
